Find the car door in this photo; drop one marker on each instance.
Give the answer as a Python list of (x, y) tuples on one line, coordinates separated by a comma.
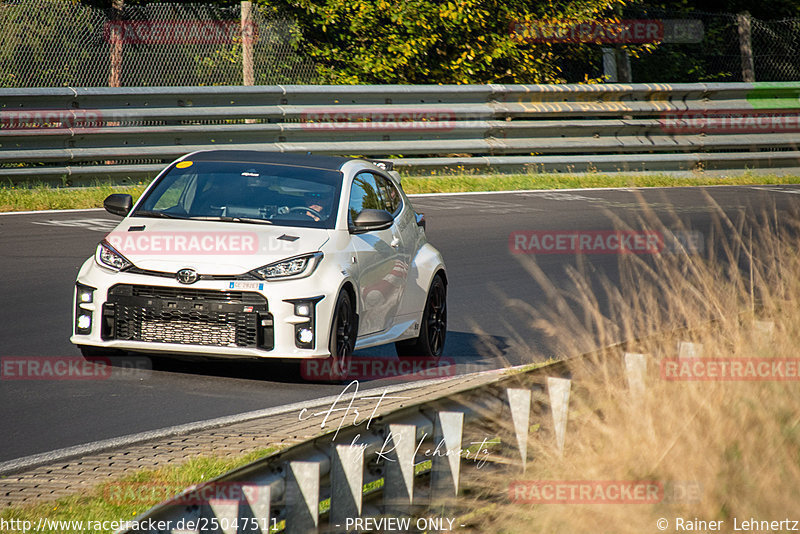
[(377, 254), (405, 232)]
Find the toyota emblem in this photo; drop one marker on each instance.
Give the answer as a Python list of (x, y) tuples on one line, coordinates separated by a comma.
[(186, 276)]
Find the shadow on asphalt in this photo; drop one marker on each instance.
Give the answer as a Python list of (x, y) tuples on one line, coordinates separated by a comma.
[(464, 353)]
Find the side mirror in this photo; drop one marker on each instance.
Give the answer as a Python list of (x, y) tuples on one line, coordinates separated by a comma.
[(369, 220), (118, 204), (421, 220)]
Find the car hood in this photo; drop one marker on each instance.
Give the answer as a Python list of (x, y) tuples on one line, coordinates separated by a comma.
[(210, 247)]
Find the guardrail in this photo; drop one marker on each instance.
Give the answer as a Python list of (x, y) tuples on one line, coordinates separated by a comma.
[(354, 472), (75, 134), (375, 468)]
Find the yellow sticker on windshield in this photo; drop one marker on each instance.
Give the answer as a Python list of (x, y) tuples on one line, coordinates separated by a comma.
[(184, 164)]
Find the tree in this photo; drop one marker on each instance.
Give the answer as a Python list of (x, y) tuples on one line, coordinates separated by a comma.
[(430, 41)]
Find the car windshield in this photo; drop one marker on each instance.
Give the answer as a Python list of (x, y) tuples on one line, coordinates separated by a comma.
[(257, 193)]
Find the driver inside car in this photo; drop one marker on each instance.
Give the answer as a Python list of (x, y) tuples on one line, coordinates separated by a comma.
[(316, 206)]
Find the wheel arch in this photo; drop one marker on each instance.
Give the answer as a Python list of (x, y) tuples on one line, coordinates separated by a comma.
[(349, 287), (443, 273), (425, 265)]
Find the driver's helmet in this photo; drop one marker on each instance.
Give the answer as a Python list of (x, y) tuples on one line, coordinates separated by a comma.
[(318, 202)]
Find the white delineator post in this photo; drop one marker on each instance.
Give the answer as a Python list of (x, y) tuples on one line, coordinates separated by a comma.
[(635, 372), (558, 389), (690, 350), (519, 404), (446, 460)]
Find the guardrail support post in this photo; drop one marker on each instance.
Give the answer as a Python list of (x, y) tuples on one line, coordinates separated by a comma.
[(519, 403), (446, 456), (249, 513), (302, 497), (398, 487), (635, 371), (254, 511), (347, 483), (558, 389), (224, 511)]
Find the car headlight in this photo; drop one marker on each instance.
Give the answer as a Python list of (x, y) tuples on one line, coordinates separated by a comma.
[(107, 256), (295, 267)]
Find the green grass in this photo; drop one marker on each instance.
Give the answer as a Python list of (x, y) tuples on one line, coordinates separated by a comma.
[(44, 197), (127, 497), (510, 182)]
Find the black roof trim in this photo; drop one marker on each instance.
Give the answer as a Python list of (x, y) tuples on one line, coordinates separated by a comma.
[(277, 158)]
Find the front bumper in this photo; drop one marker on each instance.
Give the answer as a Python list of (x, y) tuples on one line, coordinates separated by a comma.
[(233, 318)]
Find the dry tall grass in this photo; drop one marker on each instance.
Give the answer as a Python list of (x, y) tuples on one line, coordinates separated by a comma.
[(722, 450)]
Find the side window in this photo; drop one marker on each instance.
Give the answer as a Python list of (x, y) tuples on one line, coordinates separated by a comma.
[(363, 195), (390, 196), (178, 195)]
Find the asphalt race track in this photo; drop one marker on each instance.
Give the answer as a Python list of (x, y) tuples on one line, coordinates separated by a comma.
[(41, 254)]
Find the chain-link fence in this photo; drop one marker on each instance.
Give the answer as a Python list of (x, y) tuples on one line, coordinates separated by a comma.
[(48, 43), (776, 49), (711, 54), (696, 46)]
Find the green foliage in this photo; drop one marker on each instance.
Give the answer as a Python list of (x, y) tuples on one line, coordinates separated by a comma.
[(430, 41), (42, 43)]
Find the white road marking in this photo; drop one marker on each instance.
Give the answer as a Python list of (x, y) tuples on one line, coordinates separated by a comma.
[(777, 189), (518, 191), (558, 195), (484, 206), (36, 212), (96, 225)]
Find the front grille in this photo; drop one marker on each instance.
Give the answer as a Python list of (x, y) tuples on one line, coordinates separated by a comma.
[(187, 316), (188, 294), (221, 335)]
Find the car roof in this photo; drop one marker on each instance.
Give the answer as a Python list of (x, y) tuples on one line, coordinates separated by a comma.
[(275, 158)]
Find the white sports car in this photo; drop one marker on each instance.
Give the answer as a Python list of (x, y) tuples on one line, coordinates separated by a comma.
[(259, 254)]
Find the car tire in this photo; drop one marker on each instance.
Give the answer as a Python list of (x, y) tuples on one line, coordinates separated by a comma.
[(342, 342), (433, 331)]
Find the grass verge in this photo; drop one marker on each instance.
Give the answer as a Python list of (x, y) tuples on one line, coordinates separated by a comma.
[(713, 437), (44, 197), (126, 497)]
